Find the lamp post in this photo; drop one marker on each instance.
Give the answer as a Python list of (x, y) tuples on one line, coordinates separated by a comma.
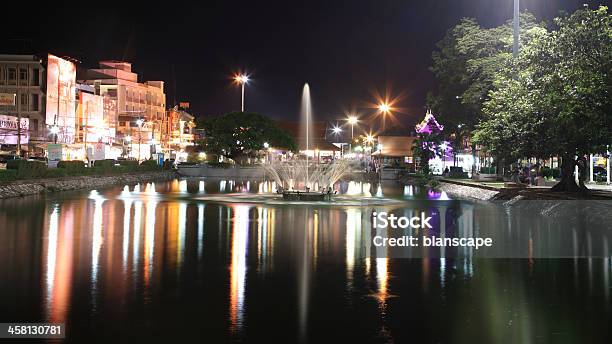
[(384, 108), (54, 131), (139, 122), (127, 139), (352, 120), (515, 24), (242, 80), (337, 130)]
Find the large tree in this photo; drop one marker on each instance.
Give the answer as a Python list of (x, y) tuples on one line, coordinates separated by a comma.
[(465, 63), (238, 135), (555, 100)]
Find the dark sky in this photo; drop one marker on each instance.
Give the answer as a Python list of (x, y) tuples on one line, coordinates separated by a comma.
[(345, 50)]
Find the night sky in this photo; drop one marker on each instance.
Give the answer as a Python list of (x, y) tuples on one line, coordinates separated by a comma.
[(345, 50)]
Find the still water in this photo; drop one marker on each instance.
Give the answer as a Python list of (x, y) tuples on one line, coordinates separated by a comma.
[(164, 262)]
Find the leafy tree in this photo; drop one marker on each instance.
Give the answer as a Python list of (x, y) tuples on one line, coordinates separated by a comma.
[(466, 63), (238, 135), (556, 98)]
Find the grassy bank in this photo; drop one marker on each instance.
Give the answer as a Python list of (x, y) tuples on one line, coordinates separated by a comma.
[(26, 170)]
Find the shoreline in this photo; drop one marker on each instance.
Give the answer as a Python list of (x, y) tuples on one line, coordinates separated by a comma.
[(39, 186)]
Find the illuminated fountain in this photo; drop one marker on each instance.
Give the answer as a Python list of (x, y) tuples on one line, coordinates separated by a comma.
[(304, 179)]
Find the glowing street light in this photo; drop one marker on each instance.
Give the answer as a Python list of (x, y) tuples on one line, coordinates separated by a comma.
[(241, 79), (266, 145), (369, 138), (384, 108), (54, 130)]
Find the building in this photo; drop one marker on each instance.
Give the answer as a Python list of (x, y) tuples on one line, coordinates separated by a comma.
[(396, 151), (179, 131), (22, 94), (135, 110), (318, 145)]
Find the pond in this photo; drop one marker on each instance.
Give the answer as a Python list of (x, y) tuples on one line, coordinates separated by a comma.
[(225, 261)]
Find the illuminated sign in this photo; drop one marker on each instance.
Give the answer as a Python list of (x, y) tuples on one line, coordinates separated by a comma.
[(8, 130), (7, 99), (61, 97), (91, 118)]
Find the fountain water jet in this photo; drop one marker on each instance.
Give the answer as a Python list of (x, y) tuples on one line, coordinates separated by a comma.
[(303, 179)]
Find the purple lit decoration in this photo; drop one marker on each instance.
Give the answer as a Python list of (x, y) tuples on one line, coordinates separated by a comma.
[(429, 124)]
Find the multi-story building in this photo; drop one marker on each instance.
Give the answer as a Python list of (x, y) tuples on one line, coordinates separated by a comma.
[(140, 108), (22, 77), (179, 130)]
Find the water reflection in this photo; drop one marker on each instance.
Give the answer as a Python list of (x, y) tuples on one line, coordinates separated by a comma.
[(240, 237), (305, 267)]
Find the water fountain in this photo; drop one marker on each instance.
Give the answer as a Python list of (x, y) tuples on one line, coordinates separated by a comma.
[(305, 179)]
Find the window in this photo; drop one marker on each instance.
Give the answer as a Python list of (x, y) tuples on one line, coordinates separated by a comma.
[(23, 75), (2, 75), (24, 100), (35, 77), (12, 74), (34, 124), (34, 102)]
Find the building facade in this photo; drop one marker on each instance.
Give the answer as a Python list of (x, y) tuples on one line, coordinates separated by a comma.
[(135, 110), (22, 77)]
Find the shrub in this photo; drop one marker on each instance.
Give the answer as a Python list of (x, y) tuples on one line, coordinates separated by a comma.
[(103, 167), (27, 169), (8, 175), (73, 167), (56, 173), (487, 170), (548, 172), (149, 165), (15, 164), (128, 162)]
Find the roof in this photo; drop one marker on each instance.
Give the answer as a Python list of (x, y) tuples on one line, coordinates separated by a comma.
[(396, 146)]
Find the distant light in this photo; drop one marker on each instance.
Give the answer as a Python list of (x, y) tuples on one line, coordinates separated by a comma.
[(443, 146), (241, 78), (139, 122), (266, 145), (379, 146), (54, 129), (352, 120), (384, 107), (337, 130), (128, 138), (370, 138)]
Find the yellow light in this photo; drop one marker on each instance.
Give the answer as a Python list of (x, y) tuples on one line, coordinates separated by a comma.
[(352, 120), (384, 107), (241, 78), (370, 138)]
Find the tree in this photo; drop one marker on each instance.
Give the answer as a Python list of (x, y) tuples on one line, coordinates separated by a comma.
[(238, 135), (465, 63), (556, 97)]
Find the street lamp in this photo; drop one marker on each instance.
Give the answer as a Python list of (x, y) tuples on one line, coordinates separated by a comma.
[(241, 79), (54, 131), (352, 120), (385, 109), (139, 122)]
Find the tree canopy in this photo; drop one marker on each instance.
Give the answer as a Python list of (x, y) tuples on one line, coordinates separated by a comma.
[(554, 99), (465, 63), (239, 134)]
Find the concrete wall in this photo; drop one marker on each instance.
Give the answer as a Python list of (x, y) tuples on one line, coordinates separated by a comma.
[(230, 172)]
